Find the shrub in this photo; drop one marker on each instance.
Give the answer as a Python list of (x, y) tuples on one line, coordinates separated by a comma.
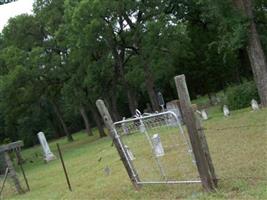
[(240, 96)]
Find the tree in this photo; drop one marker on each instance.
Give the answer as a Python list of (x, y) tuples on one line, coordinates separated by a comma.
[(255, 50)]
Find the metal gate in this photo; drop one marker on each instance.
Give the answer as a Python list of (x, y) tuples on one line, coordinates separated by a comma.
[(157, 148)]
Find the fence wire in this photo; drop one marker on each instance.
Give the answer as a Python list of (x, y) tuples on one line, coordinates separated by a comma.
[(236, 127), (239, 152)]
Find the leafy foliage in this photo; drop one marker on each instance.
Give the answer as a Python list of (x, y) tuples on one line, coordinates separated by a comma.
[(56, 63), (240, 96)]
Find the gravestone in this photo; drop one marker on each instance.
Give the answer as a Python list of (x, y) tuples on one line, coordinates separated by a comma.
[(158, 148), (226, 111), (204, 115), (174, 106), (124, 127), (48, 155), (161, 101), (254, 105), (142, 127)]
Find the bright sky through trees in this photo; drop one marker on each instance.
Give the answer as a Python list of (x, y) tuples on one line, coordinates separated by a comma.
[(13, 9)]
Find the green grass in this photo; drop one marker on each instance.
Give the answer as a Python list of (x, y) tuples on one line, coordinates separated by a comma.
[(239, 156)]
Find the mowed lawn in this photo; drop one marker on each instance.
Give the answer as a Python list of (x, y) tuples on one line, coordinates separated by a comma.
[(238, 147)]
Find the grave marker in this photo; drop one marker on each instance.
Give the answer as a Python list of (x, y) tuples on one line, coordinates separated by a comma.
[(254, 105), (204, 115), (48, 155), (158, 148), (226, 111)]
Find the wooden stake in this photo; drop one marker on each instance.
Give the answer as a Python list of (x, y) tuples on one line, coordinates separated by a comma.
[(4, 181), (64, 168), (24, 176), (197, 137), (118, 143), (12, 173)]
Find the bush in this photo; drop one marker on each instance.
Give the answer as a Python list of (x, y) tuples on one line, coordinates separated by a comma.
[(240, 96)]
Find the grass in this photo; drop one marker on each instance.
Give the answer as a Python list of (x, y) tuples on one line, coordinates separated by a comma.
[(239, 156)]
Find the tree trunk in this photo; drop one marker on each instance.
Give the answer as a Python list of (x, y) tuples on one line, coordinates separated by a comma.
[(150, 86), (113, 101), (97, 120), (86, 121), (255, 52), (132, 101), (245, 69), (64, 126), (54, 122)]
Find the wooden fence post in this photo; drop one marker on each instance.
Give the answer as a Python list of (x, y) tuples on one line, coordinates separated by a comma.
[(197, 137), (12, 173), (118, 143)]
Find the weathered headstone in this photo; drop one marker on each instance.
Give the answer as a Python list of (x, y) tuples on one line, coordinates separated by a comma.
[(48, 155), (226, 111), (125, 128), (254, 105), (161, 100), (204, 115), (174, 107), (158, 148)]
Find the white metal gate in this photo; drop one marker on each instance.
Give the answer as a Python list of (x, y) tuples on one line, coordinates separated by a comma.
[(157, 148)]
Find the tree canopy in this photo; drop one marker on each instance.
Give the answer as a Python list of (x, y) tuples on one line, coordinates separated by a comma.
[(55, 63)]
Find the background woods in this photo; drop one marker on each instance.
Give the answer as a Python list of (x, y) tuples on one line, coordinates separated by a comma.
[(56, 63)]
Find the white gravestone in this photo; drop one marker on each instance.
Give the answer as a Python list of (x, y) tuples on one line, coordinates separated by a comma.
[(124, 127), (129, 152), (254, 105), (204, 115), (142, 127), (48, 155), (158, 148), (226, 111), (174, 107)]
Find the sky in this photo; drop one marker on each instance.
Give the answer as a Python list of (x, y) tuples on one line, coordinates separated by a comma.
[(13, 9)]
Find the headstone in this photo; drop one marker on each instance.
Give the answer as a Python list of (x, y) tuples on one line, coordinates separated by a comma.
[(254, 105), (129, 152), (174, 107), (204, 115), (142, 127), (48, 155), (161, 100), (158, 148), (226, 111), (124, 127)]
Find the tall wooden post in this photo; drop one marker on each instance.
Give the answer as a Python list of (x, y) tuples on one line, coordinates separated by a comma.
[(12, 173), (197, 137), (118, 143)]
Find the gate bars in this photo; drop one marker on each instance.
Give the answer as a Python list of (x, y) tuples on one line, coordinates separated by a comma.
[(196, 134)]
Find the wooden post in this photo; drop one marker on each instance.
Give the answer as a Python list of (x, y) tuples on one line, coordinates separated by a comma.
[(4, 181), (197, 137), (118, 143), (12, 173), (205, 147)]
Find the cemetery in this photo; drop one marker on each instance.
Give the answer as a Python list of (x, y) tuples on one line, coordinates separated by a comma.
[(130, 99), (159, 154)]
